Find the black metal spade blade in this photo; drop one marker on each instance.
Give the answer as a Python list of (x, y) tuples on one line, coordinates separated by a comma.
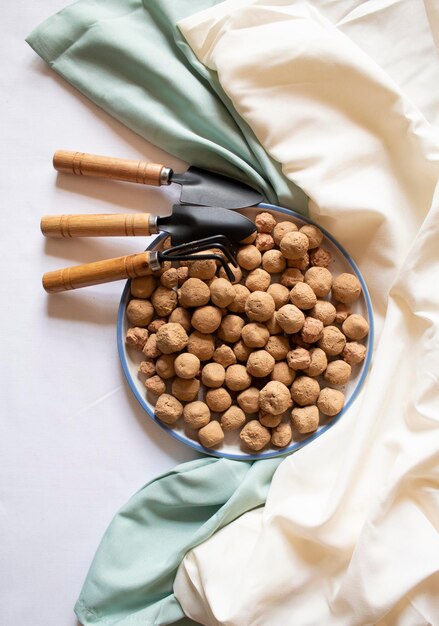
[(189, 223), (205, 188)]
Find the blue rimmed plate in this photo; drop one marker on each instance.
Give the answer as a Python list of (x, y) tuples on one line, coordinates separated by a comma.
[(232, 448)]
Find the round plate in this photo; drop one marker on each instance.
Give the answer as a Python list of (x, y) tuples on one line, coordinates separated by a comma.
[(231, 447)]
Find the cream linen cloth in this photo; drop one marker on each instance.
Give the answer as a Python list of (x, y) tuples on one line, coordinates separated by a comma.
[(349, 532)]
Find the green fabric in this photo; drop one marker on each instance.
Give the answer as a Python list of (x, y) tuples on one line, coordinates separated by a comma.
[(130, 59), (130, 580)]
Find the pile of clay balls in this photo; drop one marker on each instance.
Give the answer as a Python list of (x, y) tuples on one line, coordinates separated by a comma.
[(267, 355)]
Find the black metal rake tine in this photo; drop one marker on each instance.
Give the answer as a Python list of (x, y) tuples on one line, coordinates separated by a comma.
[(220, 241), (197, 246)]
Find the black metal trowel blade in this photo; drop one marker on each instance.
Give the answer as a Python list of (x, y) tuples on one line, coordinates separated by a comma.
[(189, 223), (205, 188)]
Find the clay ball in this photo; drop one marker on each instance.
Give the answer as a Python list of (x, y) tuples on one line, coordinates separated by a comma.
[(169, 278), (278, 347), (165, 366), (236, 271), (300, 263), (249, 257), (259, 306), (230, 328), (248, 400), (338, 372), (224, 355), (187, 365), (206, 319), (303, 296), (260, 363), (323, 311), (255, 335), (342, 312), (320, 257), (155, 324), (137, 337), (291, 277), (264, 242), (185, 390), (270, 421), (298, 359), (155, 385), (312, 330), (168, 409), (273, 326), (151, 349), (164, 301), (233, 418), (140, 312), (171, 338), (281, 229), (332, 341), (346, 288), (274, 398), (294, 245), (320, 280), (193, 292), (213, 375), (203, 346), (354, 353), (273, 262), (182, 274), (218, 400), (355, 327), (237, 377), (306, 419), (282, 373), (318, 362), (290, 318), (211, 435), (281, 435), (305, 390), (221, 292), (314, 234), (330, 401), (203, 269), (279, 293), (241, 351), (147, 367), (181, 316), (238, 303), (258, 280), (265, 222), (254, 435), (143, 286), (196, 414)]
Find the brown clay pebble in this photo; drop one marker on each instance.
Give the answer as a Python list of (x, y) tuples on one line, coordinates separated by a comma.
[(278, 347), (164, 301), (151, 349), (185, 390), (218, 400), (165, 366), (282, 435), (237, 378), (203, 269), (305, 390), (346, 288), (273, 326), (300, 264), (250, 239), (264, 242), (241, 351), (143, 286), (279, 293), (332, 341), (355, 327), (330, 401), (270, 421), (248, 400), (282, 373), (155, 385), (273, 262), (181, 316), (265, 222), (254, 435), (354, 353), (155, 324), (260, 363), (171, 338), (298, 359), (281, 229), (236, 271), (233, 418), (230, 328), (203, 346), (258, 280), (169, 278), (255, 335), (342, 313), (211, 435), (140, 312), (290, 318), (291, 277), (168, 409), (224, 355), (306, 419), (137, 337), (193, 292), (187, 366), (303, 296), (196, 414), (314, 234), (320, 257), (206, 319), (238, 303), (221, 292), (259, 306), (320, 280), (213, 375), (338, 372), (312, 330), (274, 398), (249, 257), (324, 311), (147, 367), (294, 245), (318, 364), (182, 274)]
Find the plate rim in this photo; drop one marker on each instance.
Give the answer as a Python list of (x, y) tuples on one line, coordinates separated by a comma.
[(272, 453)]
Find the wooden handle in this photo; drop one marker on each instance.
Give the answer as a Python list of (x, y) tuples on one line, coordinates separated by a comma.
[(118, 225), (83, 164), (96, 273)]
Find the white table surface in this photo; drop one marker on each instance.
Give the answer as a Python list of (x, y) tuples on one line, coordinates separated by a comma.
[(74, 444)]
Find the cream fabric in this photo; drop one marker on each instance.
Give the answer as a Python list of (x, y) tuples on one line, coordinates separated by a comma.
[(349, 533)]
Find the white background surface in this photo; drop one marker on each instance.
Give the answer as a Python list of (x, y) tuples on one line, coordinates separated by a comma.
[(74, 444)]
